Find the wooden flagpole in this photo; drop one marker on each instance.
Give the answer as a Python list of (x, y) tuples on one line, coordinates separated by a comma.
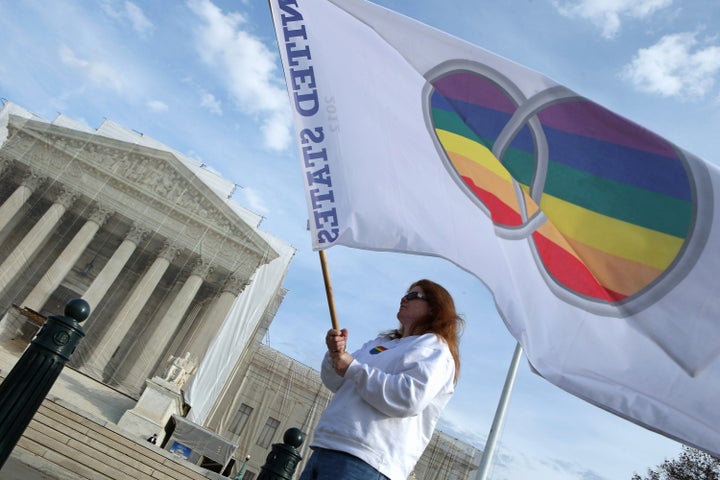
[(328, 290)]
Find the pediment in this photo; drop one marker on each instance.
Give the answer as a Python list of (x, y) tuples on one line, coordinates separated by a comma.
[(150, 186)]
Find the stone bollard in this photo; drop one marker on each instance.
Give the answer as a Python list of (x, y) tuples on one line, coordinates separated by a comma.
[(283, 458), (30, 380)]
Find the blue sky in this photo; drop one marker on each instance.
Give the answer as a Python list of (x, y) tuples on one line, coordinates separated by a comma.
[(204, 78)]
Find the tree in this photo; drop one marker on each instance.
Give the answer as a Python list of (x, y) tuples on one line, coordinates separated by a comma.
[(691, 464)]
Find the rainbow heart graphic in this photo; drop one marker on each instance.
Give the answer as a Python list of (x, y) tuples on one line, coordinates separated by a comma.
[(608, 206)]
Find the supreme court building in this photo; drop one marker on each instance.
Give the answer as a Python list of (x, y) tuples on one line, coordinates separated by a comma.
[(147, 236)]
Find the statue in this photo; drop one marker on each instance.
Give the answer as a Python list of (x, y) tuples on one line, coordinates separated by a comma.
[(180, 369)]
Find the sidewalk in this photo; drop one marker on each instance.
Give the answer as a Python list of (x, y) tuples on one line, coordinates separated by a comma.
[(15, 469), (76, 389)]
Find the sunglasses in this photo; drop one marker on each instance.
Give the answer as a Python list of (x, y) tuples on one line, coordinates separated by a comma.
[(413, 295)]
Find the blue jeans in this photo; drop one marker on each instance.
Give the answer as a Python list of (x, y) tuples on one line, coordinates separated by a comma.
[(334, 465)]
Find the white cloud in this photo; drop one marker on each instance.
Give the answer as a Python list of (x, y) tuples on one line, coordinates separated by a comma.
[(157, 106), (255, 201), (276, 132), (247, 68), (606, 14), (511, 465), (677, 65), (107, 6), (100, 73), (131, 12), (137, 18), (209, 102)]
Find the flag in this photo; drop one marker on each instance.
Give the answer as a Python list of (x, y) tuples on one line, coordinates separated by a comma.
[(597, 238)]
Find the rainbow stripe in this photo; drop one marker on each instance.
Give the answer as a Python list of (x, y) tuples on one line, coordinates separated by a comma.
[(618, 197), (378, 349)]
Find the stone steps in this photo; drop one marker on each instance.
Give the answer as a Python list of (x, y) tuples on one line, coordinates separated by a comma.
[(64, 444)]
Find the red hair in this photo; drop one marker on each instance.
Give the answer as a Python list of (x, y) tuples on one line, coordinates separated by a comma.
[(443, 319)]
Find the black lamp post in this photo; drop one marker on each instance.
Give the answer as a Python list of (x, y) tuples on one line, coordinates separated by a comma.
[(30, 380), (283, 458)]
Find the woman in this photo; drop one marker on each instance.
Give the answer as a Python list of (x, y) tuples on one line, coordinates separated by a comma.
[(389, 394)]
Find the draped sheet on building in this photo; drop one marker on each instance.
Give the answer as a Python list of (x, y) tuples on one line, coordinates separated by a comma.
[(256, 306), (193, 443)]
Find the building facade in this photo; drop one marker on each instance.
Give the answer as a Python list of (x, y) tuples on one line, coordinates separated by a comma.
[(148, 237), (448, 458)]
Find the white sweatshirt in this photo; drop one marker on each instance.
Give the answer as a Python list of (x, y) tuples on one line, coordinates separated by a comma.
[(385, 408)]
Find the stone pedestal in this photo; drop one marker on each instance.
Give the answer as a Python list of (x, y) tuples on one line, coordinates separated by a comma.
[(16, 324), (159, 401)]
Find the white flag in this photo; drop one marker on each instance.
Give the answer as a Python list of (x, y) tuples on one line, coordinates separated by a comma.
[(598, 239)]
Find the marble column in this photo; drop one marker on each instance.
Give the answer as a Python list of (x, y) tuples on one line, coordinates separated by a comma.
[(32, 241), (215, 317), (18, 198), (107, 276), (65, 261), (123, 321), (25, 252), (150, 350)]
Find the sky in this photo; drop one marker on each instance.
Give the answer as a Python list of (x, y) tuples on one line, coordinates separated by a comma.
[(204, 78)]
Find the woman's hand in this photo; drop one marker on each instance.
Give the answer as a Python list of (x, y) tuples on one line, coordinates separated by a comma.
[(336, 341)]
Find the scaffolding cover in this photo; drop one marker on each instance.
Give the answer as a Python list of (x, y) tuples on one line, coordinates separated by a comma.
[(191, 441), (234, 337)]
